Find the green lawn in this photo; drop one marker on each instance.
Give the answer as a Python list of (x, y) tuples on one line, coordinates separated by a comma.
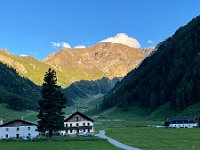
[(148, 138), (93, 144), (118, 123), (10, 114)]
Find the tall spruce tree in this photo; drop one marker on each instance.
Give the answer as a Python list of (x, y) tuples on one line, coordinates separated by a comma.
[(51, 116)]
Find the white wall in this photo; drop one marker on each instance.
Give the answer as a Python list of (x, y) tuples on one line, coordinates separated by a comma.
[(23, 131), (80, 123), (1, 122), (184, 125)]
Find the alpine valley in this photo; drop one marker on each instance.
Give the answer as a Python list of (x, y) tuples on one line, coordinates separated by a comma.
[(100, 75), (81, 72), (112, 76)]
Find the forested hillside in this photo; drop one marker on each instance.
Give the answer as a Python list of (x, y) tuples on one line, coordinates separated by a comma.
[(169, 76), (17, 92), (84, 89)]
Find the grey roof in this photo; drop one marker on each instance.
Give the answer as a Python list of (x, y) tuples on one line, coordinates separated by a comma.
[(182, 118), (22, 123)]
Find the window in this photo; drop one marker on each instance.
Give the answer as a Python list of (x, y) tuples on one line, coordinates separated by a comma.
[(7, 129), (88, 130), (29, 128), (83, 130), (88, 123), (29, 134), (6, 135), (70, 124), (77, 124), (76, 118), (70, 131), (66, 125), (83, 124), (17, 129)]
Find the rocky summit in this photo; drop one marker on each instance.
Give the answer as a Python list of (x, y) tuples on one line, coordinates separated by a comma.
[(106, 59)]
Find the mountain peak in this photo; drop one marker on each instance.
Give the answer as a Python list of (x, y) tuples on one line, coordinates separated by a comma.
[(5, 50), (123, 39)]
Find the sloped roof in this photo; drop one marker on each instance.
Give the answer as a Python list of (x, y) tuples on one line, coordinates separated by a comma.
[(182, 118), (79, 113), (17, 122)]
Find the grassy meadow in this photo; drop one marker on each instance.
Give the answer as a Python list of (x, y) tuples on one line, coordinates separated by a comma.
[(75, 143), (132, 128), (148, 138), (10, 114)]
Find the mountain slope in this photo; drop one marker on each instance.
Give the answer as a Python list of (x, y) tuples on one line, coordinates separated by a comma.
[(17, 92), (171, 75), (102, 60), (29, 67), (84, 89), (75, 64)]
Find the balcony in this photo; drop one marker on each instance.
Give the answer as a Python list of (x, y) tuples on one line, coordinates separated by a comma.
[(78, 127)]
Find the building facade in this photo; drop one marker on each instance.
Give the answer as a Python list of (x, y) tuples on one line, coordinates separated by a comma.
[(18, 129), (78, 123), (182, 122)]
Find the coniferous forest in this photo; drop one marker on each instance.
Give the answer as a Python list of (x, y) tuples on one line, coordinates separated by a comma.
[(171, 75), (17, 92)]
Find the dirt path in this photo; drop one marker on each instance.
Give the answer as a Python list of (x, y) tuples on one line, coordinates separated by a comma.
[(102, 135)]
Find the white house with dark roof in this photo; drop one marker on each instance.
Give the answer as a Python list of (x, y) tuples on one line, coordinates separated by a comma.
[(78, 123), (181, 122), (18, 129)]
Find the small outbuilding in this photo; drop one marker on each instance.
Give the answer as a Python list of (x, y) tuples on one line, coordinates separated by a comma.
[(181, 122), (78, 123), (18, 129)]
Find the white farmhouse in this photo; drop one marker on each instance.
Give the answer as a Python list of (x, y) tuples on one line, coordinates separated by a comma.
[(78, 123), (181, 122), (18, 129)]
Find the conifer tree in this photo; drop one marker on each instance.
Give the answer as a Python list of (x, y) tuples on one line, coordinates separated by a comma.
[(51, 116)]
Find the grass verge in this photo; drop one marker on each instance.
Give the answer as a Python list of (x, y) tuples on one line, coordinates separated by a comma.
[(69, 143)]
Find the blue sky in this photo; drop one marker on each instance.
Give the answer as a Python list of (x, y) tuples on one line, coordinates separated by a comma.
[(29, 26)]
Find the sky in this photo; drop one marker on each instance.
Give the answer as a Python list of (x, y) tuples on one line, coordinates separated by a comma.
[(40, 27)]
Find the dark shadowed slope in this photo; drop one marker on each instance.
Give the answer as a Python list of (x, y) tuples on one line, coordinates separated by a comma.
[(170, 76), (84, 89), (17, 92)]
